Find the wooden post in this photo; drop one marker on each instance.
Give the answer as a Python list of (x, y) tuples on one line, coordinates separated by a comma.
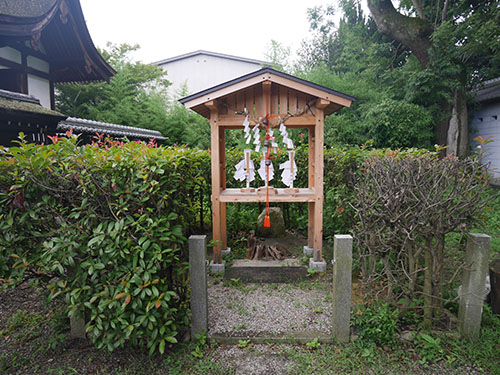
[(310, 185), (318, 179), (216, 178), (222, 162)]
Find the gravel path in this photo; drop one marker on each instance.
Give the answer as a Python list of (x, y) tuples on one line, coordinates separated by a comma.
[(268, 309)]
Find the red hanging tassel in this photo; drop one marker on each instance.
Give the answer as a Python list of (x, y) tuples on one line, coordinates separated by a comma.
[(267, 222)]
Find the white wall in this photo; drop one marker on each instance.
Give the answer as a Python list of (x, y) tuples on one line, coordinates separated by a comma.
[(11, 54), (204, 71), (37, 86), (486, 123), (40, 89)]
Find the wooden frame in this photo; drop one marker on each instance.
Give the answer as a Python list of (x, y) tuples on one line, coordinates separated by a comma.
[(285, 96)]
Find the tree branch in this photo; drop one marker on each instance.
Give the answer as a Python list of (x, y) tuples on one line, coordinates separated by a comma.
[(412, 32)]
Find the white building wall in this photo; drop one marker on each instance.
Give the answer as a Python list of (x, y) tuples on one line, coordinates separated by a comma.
[(10, 54), (486, 123), (38, 64), (202, 71), (40, 89)]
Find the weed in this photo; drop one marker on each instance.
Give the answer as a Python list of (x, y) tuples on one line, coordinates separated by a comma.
[(311, 272), (243, 343), (314, 344), (201, 341), (318, 310), (238, 327), (377, 323), (430, 347), (25, 326)]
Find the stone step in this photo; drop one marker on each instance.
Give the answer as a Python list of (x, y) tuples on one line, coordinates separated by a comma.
[(266, 271)]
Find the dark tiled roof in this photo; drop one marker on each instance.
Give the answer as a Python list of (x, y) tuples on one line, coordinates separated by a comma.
[(25, 8), (80, 125), (488, 92)]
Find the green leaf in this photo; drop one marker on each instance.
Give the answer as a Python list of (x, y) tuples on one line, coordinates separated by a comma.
[(161, 347)]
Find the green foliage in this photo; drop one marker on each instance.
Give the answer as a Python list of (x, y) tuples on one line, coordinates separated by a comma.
[(376, 323), (243, 343), (24, 326), (398, 124), (313, 344), (430, 347), (135, 96), (105, 227)]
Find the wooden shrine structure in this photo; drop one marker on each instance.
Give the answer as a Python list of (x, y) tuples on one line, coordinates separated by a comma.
[(279, 96)]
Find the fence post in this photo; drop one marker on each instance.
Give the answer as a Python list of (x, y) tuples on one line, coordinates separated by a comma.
[(342, 280), (473, 287), (198, 283)]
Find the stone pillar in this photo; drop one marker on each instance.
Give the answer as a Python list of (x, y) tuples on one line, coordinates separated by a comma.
[(198, 283), (473, 287), (342, 279), (77, 328)]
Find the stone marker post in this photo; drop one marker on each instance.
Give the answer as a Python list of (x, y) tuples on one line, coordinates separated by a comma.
[(198, 283), (342, 279), (77, 328), (473, 287)]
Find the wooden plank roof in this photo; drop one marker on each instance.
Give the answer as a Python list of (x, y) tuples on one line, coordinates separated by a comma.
[(336, 98)]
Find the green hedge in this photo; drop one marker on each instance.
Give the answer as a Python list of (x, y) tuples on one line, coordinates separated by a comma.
[(106, 227)]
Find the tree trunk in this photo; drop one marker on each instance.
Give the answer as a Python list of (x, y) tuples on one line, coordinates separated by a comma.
[(428, 286), (412, 32), (415, 34)]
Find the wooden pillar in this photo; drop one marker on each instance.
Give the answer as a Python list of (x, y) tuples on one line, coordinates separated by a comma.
[(216, 180), (318, 178), (310, 185), (222, 163)]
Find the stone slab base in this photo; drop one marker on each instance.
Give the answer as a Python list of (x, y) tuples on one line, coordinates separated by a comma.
[(309, 251), (217, 267), (266, 271), (318, 266)]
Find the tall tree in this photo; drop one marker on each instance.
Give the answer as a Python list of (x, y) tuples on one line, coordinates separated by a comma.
[(456, 44), (135, 96)]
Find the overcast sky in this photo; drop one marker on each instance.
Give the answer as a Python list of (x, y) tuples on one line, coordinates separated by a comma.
[(166, 28)]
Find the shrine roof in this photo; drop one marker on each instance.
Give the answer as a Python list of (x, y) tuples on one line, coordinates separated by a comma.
[(303, 85)]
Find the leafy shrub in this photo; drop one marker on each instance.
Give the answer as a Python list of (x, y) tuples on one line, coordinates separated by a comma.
[(376, 323), (105, 225)]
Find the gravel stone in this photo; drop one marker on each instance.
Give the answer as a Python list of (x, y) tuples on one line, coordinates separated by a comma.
[(268, 309)]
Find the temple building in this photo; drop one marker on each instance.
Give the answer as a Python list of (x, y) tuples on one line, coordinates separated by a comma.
[(42, 43)]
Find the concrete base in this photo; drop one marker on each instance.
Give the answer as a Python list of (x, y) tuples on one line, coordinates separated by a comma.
[(309, 251), (266, 271), (318, 266), (226, 251), (217, 267)]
